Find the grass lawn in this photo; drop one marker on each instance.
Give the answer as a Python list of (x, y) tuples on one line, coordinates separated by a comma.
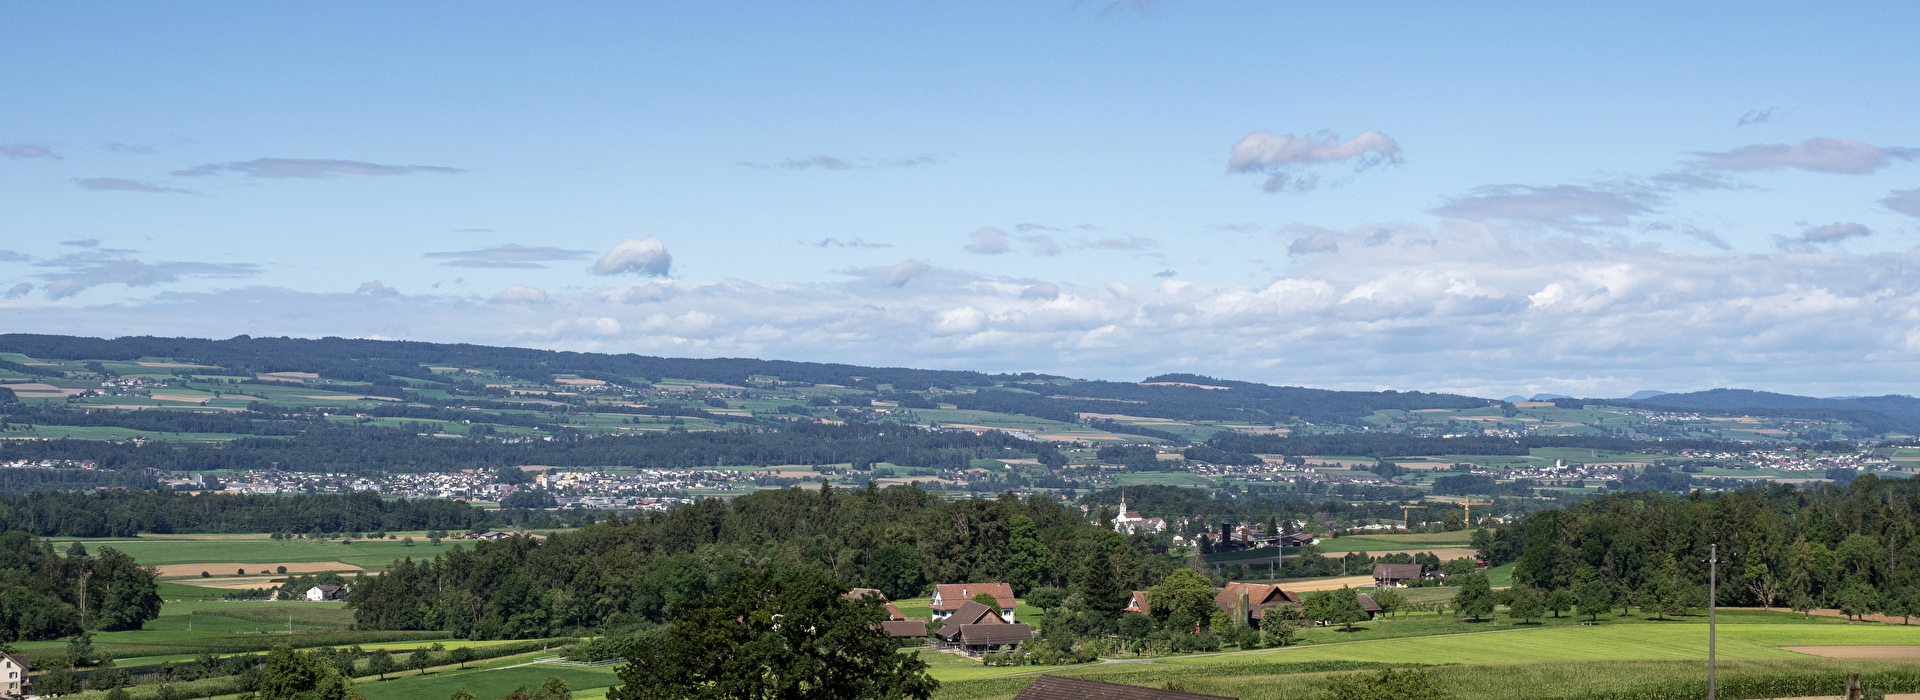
[(484, 683), (1388, 543), (157, 550)]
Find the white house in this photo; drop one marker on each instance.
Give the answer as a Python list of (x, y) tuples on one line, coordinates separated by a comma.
[(13, 675), (950, 596), (320, 593)]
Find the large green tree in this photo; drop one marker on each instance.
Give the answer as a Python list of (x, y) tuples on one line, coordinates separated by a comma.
[(301, 675), (782, 634)]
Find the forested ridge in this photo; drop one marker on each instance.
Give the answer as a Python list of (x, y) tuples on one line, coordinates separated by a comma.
[(124, 513), (330, 447)]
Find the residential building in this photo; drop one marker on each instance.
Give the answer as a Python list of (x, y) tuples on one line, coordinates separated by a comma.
[(950, 597), (13, 675), (1139, 603), (1245, 602), (321, 593)]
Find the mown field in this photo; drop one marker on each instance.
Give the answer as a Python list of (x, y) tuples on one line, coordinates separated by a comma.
[(1519, 661), (161, 550)]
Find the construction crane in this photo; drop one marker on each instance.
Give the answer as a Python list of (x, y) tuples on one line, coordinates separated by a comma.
[(1406, 516), (1468, 503)]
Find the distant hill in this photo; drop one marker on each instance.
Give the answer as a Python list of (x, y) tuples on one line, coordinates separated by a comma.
[(1891, 405), (1643, 395)]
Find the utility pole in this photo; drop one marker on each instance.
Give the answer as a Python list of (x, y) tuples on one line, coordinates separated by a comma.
[(1713, 595), (84, 575)]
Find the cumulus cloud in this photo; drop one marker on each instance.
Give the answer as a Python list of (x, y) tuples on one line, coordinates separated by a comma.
[(19, 290), (520, 294), (26, 150), (1820, 155), (644, 256), (508, 256), (987, 241), (1577, 208), (1810, 239), (308, 168), (375, 288), (831, 242), (1482, 309), (827, 162), (114, 184), (1279, 155), (1903, 201)]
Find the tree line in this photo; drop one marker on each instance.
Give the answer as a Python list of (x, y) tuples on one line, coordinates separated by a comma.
[(1850, 547), (124, 513), (41, 591), (335, 448)]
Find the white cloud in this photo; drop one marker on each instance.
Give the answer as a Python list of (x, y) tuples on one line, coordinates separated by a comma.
[(19, 290), (1314, 243), (1041, 244), (520, 294), (308, 168), (645, 256), (97, 266), (1820, 155), (1277, 155), (1462, 307), (987, 241)]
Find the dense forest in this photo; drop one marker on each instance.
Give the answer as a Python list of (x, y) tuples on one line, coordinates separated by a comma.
[(40, 590), (336, 448), (1851, 547), (124, 513)]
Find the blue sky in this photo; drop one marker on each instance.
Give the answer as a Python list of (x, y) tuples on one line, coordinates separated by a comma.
[(1500, 198)]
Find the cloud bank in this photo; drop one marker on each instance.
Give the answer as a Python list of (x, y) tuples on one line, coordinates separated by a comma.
[(1820, 155), (1279, 155)]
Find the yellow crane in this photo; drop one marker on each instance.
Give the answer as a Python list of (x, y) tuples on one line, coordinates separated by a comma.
[(1468, 503), (1406, 516)]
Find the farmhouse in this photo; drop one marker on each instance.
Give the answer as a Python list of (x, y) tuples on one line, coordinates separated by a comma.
[(950, 598), (1393, 574), (13, 675), (1139, 603), (1245, 602), (320, 593)]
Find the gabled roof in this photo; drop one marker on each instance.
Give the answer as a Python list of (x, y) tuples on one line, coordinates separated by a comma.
[(952, 595), (893, 612), (1366, 603), (859, 593), (1397, 572), (904, 628), (1062, 688), (1139, 603), (995, 635), (972, 613), (19, 660)]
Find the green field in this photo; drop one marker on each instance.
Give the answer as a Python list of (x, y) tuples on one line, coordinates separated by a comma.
[(160, 550), (1556, 655), (484, 683), (1389, 543)]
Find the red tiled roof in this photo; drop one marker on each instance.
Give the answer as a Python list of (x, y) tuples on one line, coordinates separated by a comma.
[(953, 595)]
